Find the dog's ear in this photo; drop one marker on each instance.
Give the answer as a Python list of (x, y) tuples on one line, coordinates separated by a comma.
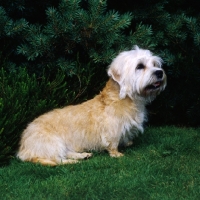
[(114, 74), (117, 76)]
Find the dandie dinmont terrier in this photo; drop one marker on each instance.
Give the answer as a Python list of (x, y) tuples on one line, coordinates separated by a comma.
[(112, 118)]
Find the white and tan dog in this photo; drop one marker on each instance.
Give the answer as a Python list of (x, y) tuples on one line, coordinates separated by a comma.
[(112, 118)]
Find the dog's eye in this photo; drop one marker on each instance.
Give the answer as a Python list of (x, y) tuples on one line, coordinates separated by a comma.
[(155, 64), (140, 66)]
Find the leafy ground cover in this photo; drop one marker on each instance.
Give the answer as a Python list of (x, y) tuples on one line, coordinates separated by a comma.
[(163, 164)]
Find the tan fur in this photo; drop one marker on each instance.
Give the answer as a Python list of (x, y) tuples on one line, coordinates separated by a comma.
[(65, 135)]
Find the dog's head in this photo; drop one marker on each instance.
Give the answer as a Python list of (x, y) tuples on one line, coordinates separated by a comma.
[(138, 73)]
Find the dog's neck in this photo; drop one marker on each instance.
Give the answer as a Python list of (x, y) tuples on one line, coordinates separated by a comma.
[(112, 90), (112, 87), (111, 93)]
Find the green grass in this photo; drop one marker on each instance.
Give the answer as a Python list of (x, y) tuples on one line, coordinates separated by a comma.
[(163, 164)]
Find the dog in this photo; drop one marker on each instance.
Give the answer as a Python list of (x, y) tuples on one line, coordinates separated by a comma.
[(110, 119)]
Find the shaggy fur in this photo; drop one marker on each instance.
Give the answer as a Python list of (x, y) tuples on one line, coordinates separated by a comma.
[(112, 118)]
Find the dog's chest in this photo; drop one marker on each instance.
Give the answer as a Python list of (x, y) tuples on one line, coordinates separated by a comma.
[(134, 120)]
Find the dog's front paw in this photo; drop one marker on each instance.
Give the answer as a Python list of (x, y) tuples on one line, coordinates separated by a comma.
[(116, 154), (86, 155)]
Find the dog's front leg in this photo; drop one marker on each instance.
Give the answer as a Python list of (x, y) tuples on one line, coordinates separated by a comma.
[(112, 147), (114, 152)]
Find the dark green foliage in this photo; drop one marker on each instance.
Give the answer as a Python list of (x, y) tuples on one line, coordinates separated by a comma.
[(22, 98), (32, 11), (10, 38), (89, 31)]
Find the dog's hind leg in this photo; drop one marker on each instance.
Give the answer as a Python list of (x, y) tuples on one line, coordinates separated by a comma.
[(44, 161), (78, 156)]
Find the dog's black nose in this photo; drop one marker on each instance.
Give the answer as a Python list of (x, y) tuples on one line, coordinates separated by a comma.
[(159, 73)]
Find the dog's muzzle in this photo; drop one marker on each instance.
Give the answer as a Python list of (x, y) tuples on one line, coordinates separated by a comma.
[(159, 75)]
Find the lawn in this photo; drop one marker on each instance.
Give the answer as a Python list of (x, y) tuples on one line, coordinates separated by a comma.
[(163, 164)]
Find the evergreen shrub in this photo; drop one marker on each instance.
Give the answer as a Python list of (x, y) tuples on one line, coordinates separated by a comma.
[(22, 98), (78, 28)]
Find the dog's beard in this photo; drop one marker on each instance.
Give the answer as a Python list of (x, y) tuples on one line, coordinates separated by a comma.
[(150, 89)]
